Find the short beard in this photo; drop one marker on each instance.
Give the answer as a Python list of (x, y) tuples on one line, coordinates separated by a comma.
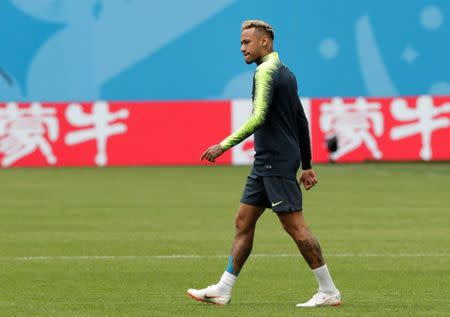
[(251, 61)]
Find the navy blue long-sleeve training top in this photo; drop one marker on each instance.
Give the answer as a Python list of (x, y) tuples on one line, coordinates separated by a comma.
[(278, 121)]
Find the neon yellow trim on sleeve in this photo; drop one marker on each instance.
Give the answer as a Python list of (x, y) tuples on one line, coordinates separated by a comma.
[(264, 86)]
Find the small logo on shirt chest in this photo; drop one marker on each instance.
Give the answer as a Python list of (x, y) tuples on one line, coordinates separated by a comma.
[(268, 166)]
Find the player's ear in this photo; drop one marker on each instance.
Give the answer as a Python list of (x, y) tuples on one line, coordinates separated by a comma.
[(265, 42), (262, 41)]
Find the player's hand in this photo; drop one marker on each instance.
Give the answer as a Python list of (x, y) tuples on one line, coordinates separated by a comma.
[(212, 153), (308, 179)]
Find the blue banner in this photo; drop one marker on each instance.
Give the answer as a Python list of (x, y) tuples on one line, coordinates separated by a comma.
[(62, 50)]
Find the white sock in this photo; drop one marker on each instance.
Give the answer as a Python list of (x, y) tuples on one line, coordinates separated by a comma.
[(323, 277), (226, 282)]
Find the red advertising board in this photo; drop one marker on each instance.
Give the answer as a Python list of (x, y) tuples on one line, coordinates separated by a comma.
[(176, 133), (389, 129), (111, 133)]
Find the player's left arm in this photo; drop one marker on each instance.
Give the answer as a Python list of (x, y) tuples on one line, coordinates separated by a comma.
[(308, 177), (264, 87)]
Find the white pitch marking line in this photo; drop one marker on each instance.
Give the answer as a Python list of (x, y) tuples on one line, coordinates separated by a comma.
[(191, 256)]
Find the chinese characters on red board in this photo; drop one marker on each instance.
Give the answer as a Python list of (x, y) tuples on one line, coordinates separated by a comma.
[(148, 133)]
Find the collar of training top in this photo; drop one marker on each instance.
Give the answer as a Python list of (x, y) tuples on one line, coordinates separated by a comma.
[(267, 57)]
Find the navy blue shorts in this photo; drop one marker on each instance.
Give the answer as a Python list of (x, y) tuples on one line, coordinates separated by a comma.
[(275, 192)]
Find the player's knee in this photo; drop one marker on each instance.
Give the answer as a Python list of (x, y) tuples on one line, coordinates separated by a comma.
[(296, 231), (243, 225)]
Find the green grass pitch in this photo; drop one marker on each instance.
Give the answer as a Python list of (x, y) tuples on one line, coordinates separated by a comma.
[(131, 241)]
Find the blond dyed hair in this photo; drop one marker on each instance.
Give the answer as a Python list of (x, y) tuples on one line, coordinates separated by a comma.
[(259, 25)]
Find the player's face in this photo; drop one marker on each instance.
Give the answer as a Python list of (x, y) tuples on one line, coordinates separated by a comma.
[(251, 45)]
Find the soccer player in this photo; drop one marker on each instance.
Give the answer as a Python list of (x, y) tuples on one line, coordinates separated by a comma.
[(281, 144)]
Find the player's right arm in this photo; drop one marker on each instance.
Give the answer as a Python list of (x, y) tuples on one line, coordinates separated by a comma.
[(264, 87)]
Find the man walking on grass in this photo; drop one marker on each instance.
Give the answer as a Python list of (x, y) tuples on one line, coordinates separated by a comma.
[(282, 144)]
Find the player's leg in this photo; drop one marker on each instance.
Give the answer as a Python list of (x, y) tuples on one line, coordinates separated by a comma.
[(294, 224), (286, 199), (309, 247), (253, 204), (245, 223)]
